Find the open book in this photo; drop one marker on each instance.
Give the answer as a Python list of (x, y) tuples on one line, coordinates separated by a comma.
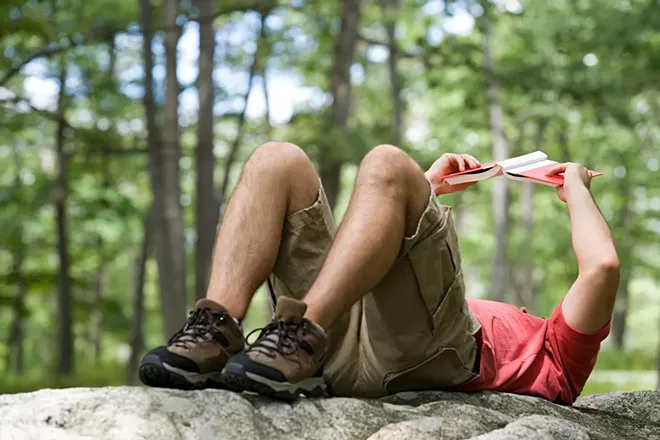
[(528, 168)]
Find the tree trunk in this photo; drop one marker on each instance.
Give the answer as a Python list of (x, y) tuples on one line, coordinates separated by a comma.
[(528, 292), (99, 281), (139, 275), (235, 146), (657, 386), (65, 361), (164, 155), (14, 343), (19, 330), (501, 193), (391, 8), (206, 205), (267, 121), (527, 206), (620, 314), (97, 316), (14, 358), (340, 87)]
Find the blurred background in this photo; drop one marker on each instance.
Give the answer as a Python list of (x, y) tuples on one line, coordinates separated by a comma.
[(124, 126)]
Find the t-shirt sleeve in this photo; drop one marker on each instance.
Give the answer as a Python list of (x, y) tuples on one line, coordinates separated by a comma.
[(576, 350)]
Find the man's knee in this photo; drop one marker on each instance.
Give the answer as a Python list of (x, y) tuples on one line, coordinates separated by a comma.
[(278, 156), (387, 165), (290, 166)]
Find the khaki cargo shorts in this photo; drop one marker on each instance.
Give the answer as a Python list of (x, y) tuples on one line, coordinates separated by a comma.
[(413, 331)]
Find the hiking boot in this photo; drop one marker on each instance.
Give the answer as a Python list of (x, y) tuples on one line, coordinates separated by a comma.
[(286, 360), (195, 356)]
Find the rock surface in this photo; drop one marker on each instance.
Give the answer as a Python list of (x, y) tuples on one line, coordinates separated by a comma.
[(128, 413)]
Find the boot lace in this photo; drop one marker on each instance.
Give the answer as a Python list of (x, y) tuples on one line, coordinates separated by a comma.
[(199, 327), (278, 337)]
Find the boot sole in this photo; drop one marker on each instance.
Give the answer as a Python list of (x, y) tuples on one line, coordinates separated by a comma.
[(237, 379), (155, 373)]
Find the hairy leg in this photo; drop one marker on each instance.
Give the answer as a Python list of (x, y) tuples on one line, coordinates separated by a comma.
[(278, 180), (390, 197)]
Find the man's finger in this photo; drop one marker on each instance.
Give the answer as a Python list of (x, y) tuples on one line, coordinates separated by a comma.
[(460, 162), (472, 162), (556, 169)]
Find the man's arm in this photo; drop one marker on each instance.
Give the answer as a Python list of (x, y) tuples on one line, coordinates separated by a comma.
[(588, 304)]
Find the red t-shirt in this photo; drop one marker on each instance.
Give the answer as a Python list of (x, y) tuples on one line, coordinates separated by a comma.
[(525, 354)]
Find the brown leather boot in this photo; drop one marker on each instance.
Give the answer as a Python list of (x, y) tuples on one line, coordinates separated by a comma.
[(287, 358), (195, 356)]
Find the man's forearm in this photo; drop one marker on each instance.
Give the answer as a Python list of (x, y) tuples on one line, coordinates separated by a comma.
[(589, 303), (592, 240)]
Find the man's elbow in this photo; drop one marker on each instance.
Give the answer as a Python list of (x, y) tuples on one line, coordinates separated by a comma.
[(609, 268), (610, 265), (606, 266)]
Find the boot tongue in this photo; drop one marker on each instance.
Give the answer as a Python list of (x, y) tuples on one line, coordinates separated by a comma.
[(208, 304), (290, 310)]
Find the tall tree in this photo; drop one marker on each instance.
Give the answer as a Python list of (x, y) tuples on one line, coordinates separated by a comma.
[(65, 361), (100, 278), (164, 170), (206, 204), (501, 194), (624, 221), (340, 88), (391, 9), (139, 275), (242, 117), (528, 291), (174, 298), (172, 264), (15, 353)]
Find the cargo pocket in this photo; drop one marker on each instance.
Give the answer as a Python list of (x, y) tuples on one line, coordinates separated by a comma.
[(436, 265), (441, 371)]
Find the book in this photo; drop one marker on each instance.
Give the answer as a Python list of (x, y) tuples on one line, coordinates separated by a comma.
[(527, 168)]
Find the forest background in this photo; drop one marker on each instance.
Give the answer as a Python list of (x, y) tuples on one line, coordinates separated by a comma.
[(124, 126)]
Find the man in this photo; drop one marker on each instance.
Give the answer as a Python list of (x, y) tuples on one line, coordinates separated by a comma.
[(378, 307)]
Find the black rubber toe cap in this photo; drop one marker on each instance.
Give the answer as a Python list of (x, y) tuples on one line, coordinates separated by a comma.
[(241, 363), (161, 354)]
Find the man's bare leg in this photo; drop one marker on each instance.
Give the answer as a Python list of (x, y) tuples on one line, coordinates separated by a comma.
[(390, 197), (278, 180)]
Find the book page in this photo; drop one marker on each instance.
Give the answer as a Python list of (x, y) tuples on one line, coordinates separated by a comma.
[(531, 166), (527, 159)]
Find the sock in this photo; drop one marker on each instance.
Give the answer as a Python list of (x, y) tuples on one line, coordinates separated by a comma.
[(320, 329)]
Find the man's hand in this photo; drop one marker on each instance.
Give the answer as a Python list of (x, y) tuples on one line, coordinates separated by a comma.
[(575, 177), (450, 163)]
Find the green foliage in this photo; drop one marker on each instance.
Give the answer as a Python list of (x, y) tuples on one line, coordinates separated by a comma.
[(602, 388), (640, 359), (102, 375)]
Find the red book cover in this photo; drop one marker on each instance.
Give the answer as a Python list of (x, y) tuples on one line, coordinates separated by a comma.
[(555, 180)]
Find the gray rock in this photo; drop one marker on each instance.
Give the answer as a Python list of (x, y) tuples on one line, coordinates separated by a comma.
[(643, 405), (128, 413)]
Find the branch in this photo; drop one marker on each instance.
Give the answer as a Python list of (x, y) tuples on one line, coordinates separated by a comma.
[(61, 119), (95, 35), (256, 5), (377, 42), (41, 53)]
